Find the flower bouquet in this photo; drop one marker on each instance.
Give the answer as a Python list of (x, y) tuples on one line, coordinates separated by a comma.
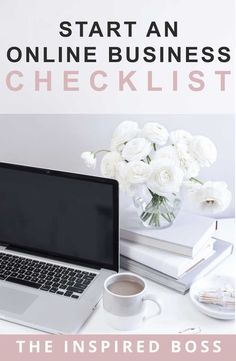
[(154, 165)]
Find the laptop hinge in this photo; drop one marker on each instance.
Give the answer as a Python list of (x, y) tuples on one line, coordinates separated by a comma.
[(3, 246)]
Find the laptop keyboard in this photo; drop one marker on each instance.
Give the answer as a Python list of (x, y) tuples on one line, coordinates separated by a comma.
[(47, 277)]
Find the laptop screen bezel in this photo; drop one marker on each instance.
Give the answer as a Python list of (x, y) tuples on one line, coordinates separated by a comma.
[(52, 255)]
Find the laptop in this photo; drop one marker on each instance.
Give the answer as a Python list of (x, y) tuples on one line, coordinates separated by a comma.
[(59, 237)]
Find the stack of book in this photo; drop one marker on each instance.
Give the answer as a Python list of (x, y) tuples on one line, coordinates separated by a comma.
[(174, 256)]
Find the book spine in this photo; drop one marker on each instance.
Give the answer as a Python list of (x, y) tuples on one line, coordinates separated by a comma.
[(157, 243)]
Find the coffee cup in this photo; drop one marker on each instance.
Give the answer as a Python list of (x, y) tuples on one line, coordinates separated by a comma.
[(124, 301)]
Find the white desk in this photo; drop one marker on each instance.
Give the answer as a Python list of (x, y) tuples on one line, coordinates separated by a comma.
[(178, 311)]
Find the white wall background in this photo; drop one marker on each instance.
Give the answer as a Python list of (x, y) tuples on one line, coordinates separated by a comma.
[(56, 141)]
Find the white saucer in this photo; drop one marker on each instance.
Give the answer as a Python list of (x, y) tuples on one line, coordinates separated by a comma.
[(212, 281)]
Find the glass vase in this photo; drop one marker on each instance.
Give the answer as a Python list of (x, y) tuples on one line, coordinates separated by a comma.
[(156, 211)]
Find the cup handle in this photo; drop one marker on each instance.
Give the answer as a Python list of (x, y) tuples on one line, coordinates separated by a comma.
[(152, 298)]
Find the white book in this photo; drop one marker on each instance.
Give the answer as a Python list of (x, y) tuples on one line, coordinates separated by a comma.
[(188, 234), (169, 263), (222, 250)]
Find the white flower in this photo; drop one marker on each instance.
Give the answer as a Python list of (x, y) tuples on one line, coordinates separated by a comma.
[(125, 131), (181, 157), (136, 149), (180, 136), (191, 185), (187, 163), (124, 185), (166, 177), (168, 152), (89, 159), (155, 132), (211, 197), (189, 166), (203, 150), (109, 163), (137, 172)]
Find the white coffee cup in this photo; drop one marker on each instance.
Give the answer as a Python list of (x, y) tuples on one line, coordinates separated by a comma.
[(124, 301)]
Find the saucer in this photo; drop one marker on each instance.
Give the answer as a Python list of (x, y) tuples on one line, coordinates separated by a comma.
[(213, 282)]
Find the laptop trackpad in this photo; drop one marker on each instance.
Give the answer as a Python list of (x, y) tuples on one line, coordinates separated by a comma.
[(15, 301)]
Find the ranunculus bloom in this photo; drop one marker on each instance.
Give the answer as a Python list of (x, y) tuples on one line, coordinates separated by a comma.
[(89, 159), (178, 154), (136, 149), (155, 132), (211, 197), (167, 151), (166, 177), (125, 131), (180, 136), (109, 164), (186, 162), (203, 150), (137, 172), (125, 186)]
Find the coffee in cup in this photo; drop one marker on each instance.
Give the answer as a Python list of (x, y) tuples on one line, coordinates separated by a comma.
[(124, 299)]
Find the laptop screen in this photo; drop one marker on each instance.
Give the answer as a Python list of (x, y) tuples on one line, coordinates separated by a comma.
[(59, 214)]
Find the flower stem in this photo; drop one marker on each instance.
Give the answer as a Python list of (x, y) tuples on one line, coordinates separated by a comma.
[(166, 217), (151, 192), (192, 179), (148, 159), (153, 214), (101, 151)]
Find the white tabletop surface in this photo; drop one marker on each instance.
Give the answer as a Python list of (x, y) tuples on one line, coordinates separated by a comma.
[(178, 311)]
